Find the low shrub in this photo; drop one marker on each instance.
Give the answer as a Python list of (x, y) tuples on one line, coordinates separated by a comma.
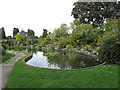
[(63, 41), (2, 51), (35, 41), (71, 54), (101, 39), (110, 50), (29, 42), (42, 44)]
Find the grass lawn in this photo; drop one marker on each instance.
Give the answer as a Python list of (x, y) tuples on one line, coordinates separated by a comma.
[(7, 56), (23, 76)]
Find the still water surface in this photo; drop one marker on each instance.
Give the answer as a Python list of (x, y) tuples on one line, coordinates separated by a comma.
[(61, 61)]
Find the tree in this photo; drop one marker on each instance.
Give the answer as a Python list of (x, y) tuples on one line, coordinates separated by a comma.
[(23, 33), (30, 33), (85, 34), (2, 33), (95, 12), (9, 37), (19, 38), (15, 31), (57, 33), (45, 33)]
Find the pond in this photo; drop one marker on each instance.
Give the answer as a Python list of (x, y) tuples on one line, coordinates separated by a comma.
[(61, 61)]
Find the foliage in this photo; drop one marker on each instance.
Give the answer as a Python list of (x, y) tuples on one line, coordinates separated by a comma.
[(75, 24), (71, 54), (63, 41), (52, 52), (30, 33), (35, 41), (102, 38), (48, 40), (19, 37), (95, 12), (57, 33), (42, 44), (69, 46), (15, 31), (24, 34), (29, 41), (7, 56), (9, 37), (2, 51), (2, 33), (44, 35), (111, 26), (110, 51), (88, 47), (85, 34)]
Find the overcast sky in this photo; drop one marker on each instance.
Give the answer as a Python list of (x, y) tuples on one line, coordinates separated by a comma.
[(35, 14)]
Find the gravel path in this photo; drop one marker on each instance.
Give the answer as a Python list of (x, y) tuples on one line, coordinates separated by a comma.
[(8, 66)]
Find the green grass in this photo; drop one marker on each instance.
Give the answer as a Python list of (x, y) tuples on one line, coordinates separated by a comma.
[(7, 56), (23, 76)]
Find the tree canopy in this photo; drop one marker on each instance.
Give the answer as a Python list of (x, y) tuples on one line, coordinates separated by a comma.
[(15, 31), (61, 31), (2, 33), (95, 12), (30, 33), (45, 33), (19, 37)]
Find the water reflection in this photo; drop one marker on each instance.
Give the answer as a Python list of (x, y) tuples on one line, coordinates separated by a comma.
[(61, 61)]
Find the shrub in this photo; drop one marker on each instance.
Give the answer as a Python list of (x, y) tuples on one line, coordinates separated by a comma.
[(35, 41), (42, 44), (2, 51), (29, 41), (110, 50), (69, 46), (71, 54), (101, 39), (63, 41)]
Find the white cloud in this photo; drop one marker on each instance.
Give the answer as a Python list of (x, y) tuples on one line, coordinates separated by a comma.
[(35, 14)]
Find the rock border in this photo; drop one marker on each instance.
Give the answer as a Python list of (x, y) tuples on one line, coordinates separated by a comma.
[(29, 57)]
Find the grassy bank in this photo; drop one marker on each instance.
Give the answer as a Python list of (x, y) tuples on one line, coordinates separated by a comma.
[(23, 76), (7, 56)]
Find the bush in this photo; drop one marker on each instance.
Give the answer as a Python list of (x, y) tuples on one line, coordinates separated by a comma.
[(69, 46), (101, 39), (110, 50), (42, 44), (35, 41), (88, 47), (2, 51), (29, 42), (63, 41)]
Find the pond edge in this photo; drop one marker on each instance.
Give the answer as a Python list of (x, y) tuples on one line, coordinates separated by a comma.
[(29, 57)]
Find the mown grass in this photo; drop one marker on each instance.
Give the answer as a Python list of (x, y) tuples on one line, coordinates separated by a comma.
[(23, 76), (7, 56)]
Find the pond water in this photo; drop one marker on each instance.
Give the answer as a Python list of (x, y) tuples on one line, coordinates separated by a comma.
[(61, 61)]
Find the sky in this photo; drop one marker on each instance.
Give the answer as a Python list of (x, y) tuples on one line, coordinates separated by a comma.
[(35, 14)]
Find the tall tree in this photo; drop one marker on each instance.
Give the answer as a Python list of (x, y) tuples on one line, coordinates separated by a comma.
[(57, 33), (23, 33), (15, 31), (30, 33), (45, 33), (95, 12), (2, 33)]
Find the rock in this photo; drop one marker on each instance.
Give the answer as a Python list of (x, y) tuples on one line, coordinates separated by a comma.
[(94, 52)]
